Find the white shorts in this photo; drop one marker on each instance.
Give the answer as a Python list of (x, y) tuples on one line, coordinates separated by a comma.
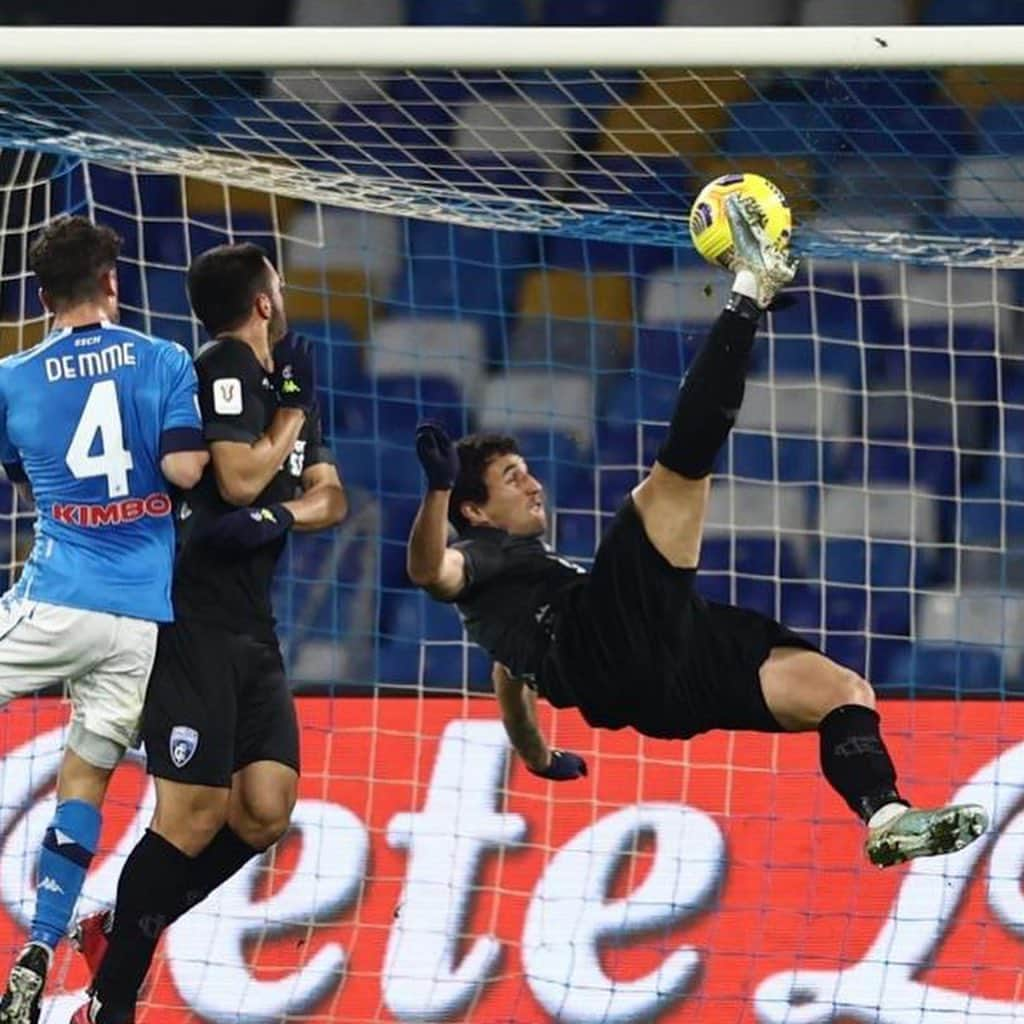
[(105, 660)]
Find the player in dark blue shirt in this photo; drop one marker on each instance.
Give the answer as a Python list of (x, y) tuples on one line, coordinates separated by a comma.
[(95, 420)]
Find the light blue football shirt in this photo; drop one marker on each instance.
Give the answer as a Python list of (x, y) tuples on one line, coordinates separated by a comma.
[(86, 415)]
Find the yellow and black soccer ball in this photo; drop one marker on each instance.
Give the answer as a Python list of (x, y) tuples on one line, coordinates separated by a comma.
[(709, 226)]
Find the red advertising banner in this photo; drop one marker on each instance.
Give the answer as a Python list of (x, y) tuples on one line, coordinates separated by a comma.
[(429, 877)]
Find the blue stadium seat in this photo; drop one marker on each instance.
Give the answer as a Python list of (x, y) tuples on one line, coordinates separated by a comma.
[(664, 351), (765, 457), (643, 397), (1001, 129), (465, 12), (576, 535), (765, 556), (614, 486), (403, 401), (870, 89), (937, 133), (652, 184), (949, 670), (601, 12), (801, 609), (593, 255), (781, 129), (977, 12), (357, 461)]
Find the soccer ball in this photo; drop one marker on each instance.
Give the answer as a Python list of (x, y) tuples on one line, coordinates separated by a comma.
[(709, 226)]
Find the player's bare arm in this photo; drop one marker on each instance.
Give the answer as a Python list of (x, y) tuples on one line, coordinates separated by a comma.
[(430, 563), (242, 470), (183, 469), (518, 705), (323, 502)]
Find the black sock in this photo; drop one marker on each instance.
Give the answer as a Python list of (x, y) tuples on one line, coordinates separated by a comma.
[(855, 761), (152, 885), (711, 392), (225, 855)]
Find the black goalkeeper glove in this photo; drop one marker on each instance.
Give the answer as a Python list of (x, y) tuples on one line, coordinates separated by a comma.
[(294, 374), (564, 766), (437, 454)]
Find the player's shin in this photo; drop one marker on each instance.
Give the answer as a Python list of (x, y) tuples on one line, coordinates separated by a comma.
[(224, 857), (712, 391), (150, 894), (855, 761), (68, 848)]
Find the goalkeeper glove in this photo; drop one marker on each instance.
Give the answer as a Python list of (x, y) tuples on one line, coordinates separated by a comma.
[(564, 766)]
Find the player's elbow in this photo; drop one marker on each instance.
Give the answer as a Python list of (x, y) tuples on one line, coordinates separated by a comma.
[(184, 469), (421, 575), (237, 490)]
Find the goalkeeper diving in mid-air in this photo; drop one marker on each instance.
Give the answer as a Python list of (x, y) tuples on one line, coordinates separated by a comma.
[(632, 643)]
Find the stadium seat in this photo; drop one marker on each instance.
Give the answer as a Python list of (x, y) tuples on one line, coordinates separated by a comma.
[(516, 129), (988, 186), (754, 509), (665, 351), (690, 299), (972, 300), (657, 184), (567, 345), (975, 87), (948, 669), (600, 12), (331, 296), (781, 129), (402, 401), (932, 133), (788, 427), (598, 256), (576, 534), (529, 400), (430, 347), (568, 295), (1001, 129), (327, 87), (465, 12), (975, 618), (727, 12), (675, 113), (853, 12), (330, 238), (977, 12), (898, 184)]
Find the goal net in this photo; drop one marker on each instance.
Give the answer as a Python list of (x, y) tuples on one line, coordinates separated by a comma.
[(509, 249)]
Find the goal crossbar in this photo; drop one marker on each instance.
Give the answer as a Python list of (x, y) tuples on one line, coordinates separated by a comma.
[(508, 48)]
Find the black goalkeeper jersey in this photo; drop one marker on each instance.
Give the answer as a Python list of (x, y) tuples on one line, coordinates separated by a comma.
[(514, 589), (238, 402)]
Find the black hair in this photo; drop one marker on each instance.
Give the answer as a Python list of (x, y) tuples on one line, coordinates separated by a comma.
[(223, 283), (476, 451), (70, 256)]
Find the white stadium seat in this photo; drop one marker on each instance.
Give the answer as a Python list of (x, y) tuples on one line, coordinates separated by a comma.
[(727, 12), (517, 129), (881, 513), (430, 347), (527, 400), (854, 12), (750, 508), (988, 186), (333, 239), (694, 296), (802, 406)]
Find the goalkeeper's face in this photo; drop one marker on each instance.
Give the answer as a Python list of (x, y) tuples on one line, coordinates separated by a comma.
[(515, 498)]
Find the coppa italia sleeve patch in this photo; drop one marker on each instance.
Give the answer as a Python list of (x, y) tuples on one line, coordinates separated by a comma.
[(227, 396)]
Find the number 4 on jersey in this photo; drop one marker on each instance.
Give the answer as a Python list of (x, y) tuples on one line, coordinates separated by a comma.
[(102, 416)]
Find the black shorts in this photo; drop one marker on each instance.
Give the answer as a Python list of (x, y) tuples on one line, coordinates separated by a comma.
[(638, 646), (216, 702)]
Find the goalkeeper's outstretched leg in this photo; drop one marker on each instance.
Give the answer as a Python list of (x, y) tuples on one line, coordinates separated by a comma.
[(632, 642)]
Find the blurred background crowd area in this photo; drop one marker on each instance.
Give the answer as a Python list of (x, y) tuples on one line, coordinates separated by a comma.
[(875, 496)]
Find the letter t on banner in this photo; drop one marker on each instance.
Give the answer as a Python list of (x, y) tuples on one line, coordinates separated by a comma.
[(459, 824)]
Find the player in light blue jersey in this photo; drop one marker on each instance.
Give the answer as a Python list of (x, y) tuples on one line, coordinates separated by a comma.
[(95, 421)]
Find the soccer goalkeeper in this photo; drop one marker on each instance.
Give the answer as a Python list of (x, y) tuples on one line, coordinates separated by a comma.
[(632, 643)]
